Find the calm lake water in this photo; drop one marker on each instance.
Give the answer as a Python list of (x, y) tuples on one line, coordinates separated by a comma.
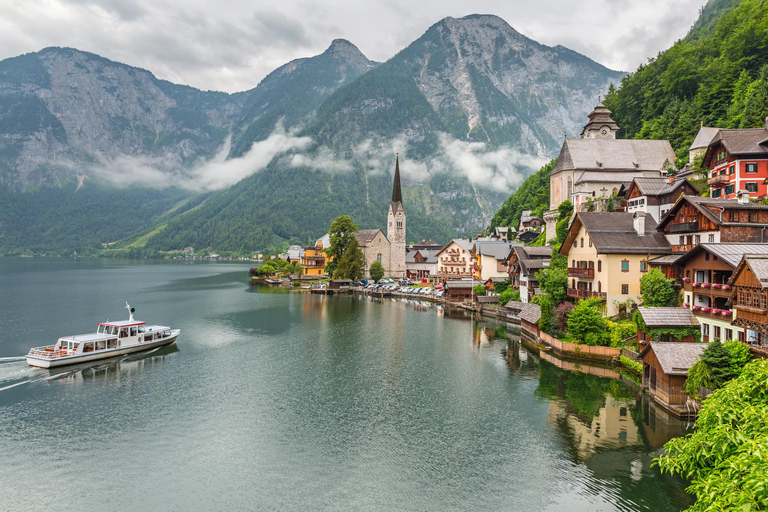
[(302, 402)]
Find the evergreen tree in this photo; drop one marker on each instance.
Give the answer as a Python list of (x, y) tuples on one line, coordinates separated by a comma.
[(376, 270), (351, 264), (718, 360)]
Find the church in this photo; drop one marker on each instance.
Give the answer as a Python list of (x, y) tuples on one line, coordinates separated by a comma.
[(594, 167), (389, 249)]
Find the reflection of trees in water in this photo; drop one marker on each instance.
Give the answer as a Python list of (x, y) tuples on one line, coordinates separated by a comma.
[(584, 394)]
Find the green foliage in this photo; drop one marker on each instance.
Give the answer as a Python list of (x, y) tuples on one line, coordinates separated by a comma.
[(726, 457), (547, 312), (740, 356), (620, 331), (351, 263), (631, 364), (508, 295), (718, 359), (679, 333), (699, 376), (587, 324), (501, 287), (478, 289), (554, 282), (377, 270), (715, 75), (657, 290), (561, 316), (266, 270), (533, 194)]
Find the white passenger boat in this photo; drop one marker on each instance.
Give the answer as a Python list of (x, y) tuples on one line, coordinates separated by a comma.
[(111, 339)]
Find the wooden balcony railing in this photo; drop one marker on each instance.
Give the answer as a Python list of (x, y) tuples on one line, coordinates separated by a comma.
[(586, 294), (682, 247), (715, 314), (586, 273), (718, 180)]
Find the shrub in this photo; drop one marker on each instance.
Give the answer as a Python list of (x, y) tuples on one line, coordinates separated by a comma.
[(631, 364), (561, 315), (587, 324), (718, 359), (508, 295), (740, 356), (699, 376), (376, 270), (544, 302), (479, 289), (620, 331)]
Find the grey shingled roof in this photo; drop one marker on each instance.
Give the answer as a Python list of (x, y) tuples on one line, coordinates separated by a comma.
[(533, 257), (429, 254), (704, 137), (668, 259), (463, 243), (499, 250), (459, 285), (366, 236), (515, 305), (614, 233), (759, 265), (675, 358), (657, 186), (608, 177), (668, 317), (710, 207), (531, 313), (487, 299), (730, 253), (614, 154), (749, 141)]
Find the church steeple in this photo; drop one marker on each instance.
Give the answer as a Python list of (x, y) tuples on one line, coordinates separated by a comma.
[(397, 193), (600, 124)]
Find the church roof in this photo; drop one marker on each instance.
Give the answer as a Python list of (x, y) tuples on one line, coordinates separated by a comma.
[(366, 236), (614, 155), (397, 193), (600, 116), (704, 137)]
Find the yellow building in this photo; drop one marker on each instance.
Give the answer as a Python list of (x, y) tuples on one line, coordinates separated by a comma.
[(313, 259), (608, 253)]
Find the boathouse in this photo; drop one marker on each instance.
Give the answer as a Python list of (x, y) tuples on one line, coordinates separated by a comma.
[(665, 368), (668, 324), (529, 319), (460, 290)]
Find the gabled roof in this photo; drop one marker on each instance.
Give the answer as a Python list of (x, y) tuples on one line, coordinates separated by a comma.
[(623, 177), (659, 186), (614, 155), (487, 299), (711, 208), (531, 313), (465, 244), (668, 259), (526, 216), (495, 249), (730, 253), (704, 137), (515, 305), (430, 256), (459, 285), (758, 264), (533, 258), (614, 233), (325, 240), (675, 358), (668, 317), (745, 141), (366, 236)]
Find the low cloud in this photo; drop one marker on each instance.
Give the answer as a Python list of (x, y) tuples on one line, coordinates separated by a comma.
[(215, 174)]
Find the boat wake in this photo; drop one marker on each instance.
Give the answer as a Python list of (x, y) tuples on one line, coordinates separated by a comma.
[(8, 359)]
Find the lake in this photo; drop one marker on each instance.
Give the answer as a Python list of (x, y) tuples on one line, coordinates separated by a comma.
[(291, 401)]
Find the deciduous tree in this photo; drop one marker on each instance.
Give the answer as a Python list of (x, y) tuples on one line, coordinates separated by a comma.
[(657, 290)]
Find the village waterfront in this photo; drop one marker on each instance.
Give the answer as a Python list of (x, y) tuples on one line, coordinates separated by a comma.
[(294, 401)]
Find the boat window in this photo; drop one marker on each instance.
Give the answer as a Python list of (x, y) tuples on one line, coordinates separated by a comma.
[(88, 347), (133, 331), (167, 332), (141, 328), (100, 330), (123, 332), (111, 343), (101, 344)]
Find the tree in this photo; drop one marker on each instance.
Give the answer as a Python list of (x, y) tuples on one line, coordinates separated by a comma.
[(740, 356), (508, 295), (554, 282), (342, 233), (657, 290), (501, 287), (376, 270), (351, 265), (718, 360), (586, 323), (725, 456), (478, 289), (561, 316), (545, 304)]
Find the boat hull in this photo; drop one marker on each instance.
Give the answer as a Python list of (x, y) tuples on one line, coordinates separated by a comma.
[(43, 362)]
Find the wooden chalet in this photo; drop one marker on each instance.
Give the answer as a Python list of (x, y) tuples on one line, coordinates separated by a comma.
[(655, 196), (524, 263), (738, 158), (749, 296), (694, 220), (665, 368), (667, 320), (529, 319), (460, 290)]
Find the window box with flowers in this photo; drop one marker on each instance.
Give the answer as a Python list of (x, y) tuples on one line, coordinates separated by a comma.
[(697, 308), (726, 287), (728, 313), (686, 304), (706, 310), (687, 279), (696, 285), (715, 285), (705, 285)]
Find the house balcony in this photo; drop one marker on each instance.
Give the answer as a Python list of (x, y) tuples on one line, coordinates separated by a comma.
[(684, 227), (718, 180), (725, 315), (586, 294), (711, 289), (584, 273), (683, 247)]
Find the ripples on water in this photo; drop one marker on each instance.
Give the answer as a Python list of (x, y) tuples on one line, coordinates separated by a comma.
[(291, 401)]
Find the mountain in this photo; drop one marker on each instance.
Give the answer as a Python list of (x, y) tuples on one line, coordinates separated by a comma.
[(716, 76), (294, 91), (473, 106), (475, 78)]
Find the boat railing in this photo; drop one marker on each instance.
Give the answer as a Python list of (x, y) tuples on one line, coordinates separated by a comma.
[(49, 351)]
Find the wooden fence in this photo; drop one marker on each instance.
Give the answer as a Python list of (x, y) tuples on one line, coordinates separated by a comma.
[(577, 349), (630, 354)]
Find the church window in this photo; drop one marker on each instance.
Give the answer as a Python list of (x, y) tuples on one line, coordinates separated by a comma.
[(399, 224), (378, 257)]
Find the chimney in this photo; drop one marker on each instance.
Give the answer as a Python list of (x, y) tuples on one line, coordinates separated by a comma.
[(742, 197), (639, 220)]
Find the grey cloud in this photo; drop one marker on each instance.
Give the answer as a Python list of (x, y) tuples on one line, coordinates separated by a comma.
[(276, 26), (128, 11)]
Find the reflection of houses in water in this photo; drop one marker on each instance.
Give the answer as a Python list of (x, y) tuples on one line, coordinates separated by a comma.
[(658, 425), (611, 428)]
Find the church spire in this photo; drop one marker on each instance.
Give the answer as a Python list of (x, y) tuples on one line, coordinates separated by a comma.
[(397, 194)]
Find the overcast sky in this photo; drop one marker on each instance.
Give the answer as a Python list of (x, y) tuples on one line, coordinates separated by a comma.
[(230, 45)]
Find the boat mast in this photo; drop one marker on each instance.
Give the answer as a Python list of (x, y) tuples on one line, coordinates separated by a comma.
[(130, 311)]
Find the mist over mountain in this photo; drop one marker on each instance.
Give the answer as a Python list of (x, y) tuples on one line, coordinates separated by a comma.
[(473, 106)]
